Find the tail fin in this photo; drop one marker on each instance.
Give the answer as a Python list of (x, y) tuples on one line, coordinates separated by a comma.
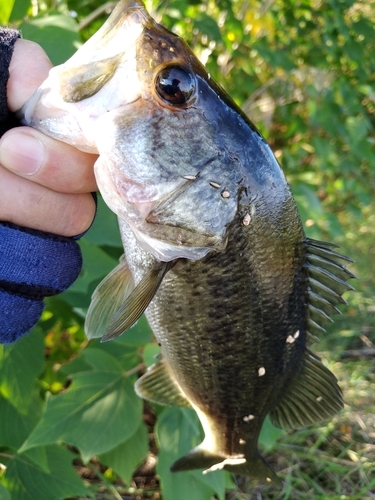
[(253, 466)]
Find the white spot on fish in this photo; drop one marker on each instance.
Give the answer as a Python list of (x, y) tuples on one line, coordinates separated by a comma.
[(319, 398), (242, 441), (215, 185), (296, 335), (208, 76), (225, 194), (290, 339), (269, 480), (248, 418), (228, 461), (171, 49), (261, 371), (246, 220)]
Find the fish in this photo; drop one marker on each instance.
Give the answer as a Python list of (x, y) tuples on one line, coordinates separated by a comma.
[(215, 252)]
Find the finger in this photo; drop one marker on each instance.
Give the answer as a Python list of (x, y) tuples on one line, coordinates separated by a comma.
[(46, 161), (32, 205), (28, 69)]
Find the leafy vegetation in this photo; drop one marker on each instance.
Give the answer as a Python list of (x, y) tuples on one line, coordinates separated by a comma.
[(71, 425)]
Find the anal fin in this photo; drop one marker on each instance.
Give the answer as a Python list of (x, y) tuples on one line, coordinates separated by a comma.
[(159, 386), (313, 396)]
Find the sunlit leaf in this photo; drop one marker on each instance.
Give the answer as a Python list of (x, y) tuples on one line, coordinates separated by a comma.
[(26, 480), (98, 411), (20, 364)]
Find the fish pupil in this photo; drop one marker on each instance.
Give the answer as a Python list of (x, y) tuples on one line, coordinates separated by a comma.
[(174, 84)]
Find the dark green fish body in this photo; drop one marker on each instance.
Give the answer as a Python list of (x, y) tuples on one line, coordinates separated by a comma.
[(215, 251)]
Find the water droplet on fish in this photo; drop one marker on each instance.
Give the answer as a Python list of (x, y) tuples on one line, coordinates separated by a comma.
[(248, 418), (225, 194), (261, 371), (268, 479), (296, 335), (290, 339), (242, 441), (319, 398), (215, 185), (171, 49), (246, 220)]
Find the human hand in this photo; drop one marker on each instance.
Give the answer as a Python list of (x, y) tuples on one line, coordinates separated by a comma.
[(44, 184)]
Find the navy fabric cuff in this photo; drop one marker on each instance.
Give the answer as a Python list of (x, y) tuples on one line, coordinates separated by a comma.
[(33, 265)]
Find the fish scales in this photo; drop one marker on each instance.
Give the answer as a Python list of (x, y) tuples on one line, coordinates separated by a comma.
[(216, 255)]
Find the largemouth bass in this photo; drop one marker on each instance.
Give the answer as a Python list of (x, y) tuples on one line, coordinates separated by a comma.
[(216, 254)]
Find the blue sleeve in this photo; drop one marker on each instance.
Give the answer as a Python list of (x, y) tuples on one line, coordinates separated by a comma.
[(33, 264)]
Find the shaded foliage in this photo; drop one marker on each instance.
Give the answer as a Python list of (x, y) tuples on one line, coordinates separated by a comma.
[(304, 72)]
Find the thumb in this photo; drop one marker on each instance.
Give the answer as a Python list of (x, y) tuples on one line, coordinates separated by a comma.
[(28, 69)]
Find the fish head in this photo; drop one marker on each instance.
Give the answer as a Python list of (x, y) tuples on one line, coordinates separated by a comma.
[(136, 95)]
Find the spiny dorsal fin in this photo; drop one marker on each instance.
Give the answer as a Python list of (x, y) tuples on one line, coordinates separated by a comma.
[(327, 283), (313, 396), (159, 385), (136, 303), (107, 298)]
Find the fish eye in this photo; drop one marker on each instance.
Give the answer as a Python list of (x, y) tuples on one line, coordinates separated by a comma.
[(174, 84)]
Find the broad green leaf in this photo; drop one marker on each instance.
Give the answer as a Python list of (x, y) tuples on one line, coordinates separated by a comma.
[(15, 426), (269, 434), (105, 230), (150, 353), (4, 493), (6, 7), (27, 481), (127, 356), (20, 364), (178, 431), (19, 10), (128, 455), (56, 33), (99, 359), (99, 411), (96, 264)]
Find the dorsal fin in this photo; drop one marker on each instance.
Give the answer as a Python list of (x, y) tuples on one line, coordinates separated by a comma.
[(327, 283)]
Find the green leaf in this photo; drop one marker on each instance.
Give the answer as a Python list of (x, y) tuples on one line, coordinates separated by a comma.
[(6, 7), (20, 364), (150, 353), (101, 360), (56, 33), (128, 455), (99, 411), (19, 10), (16, 426), (178, 430), (96, 265), (26, 480), (269, 434), (4, 493), (105, 230)]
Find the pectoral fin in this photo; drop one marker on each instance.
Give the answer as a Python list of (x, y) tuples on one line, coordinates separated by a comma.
[(136, 303), (313, 396), (107, 298), (159, 385)]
